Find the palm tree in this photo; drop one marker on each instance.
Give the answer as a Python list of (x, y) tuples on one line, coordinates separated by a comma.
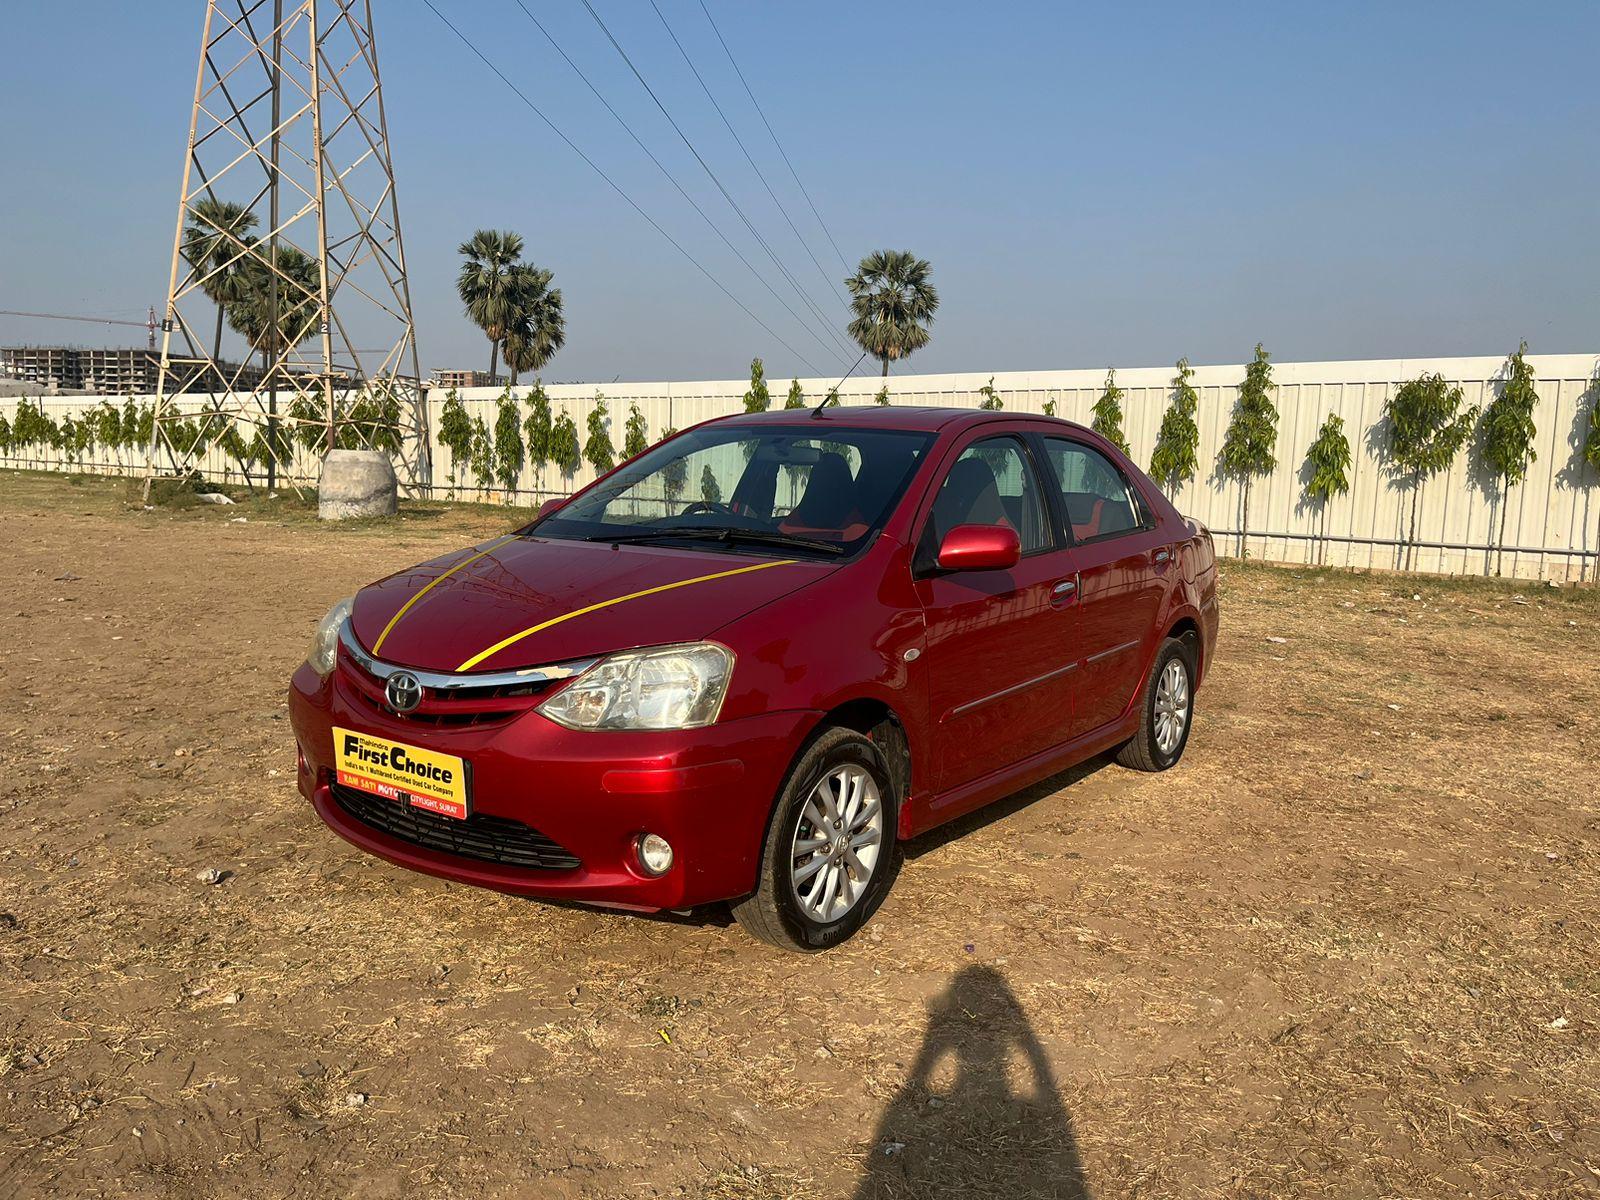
[(483, 284), (894, 303), (298, 298), (535, 326), (218, 230)]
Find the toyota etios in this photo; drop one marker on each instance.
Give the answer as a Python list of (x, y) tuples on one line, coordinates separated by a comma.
[(746, 664)]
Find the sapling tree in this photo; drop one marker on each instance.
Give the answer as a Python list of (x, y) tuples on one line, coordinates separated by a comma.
[(76, 438), (882, 397), (1050, 407), (1508, 432), (33, 426), (191, 439), (710, 489), (273, 443), (5, 434), (455, 435), (509, 450), (564, 450), (1426, 431), (831, 400), (482, 454), (309, 423), (232, 443), (87, 438), (371, 423), (796, 397), (1328, 467), (134, 434), (1107, 421), (636, 433), (758, 398), (675, 474), (66, 429), (1176, 456), (991, 399), (220, 431), (1249, 448), (180, 432), (1590, 453), (597, 446), (107, 428), (142, 422), (536, 432)]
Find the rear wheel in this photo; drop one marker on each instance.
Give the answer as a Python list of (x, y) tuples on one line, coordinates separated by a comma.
[(1166, 713), (829, 853)]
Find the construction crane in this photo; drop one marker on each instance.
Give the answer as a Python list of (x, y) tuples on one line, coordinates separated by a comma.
[(148, 325)]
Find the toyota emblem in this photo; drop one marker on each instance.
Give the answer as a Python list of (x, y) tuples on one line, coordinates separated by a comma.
[(403, 691)]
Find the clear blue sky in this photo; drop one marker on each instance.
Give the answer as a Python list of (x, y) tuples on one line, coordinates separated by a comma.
[(1093, 183)]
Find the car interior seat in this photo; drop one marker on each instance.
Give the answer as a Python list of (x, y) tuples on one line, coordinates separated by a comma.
[(829, 502), (970, 496)]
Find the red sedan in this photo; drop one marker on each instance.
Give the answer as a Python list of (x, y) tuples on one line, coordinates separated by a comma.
[(746, 664)]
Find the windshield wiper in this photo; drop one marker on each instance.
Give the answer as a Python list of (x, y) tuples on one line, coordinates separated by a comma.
[(719, 533)]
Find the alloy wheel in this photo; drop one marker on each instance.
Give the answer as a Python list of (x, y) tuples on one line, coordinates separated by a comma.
[(1172, 706), (837, 843)]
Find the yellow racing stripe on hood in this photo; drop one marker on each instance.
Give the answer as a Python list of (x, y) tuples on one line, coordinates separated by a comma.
[(433, 583), (665, 587)]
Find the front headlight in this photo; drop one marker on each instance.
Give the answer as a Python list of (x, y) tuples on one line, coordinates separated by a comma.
[(325, 642), (667, 687)]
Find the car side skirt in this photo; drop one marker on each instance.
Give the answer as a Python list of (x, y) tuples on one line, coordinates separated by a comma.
[(929, 813)]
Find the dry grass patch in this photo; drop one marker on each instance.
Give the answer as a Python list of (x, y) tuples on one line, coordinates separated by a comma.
[(1347, 949)]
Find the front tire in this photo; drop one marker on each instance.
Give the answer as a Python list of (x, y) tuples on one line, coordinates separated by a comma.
[(1166, 711), (830, 847)]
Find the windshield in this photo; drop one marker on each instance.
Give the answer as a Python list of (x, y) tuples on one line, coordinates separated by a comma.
[(804, 489)]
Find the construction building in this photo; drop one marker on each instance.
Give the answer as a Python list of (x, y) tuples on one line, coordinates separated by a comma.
[(100, 372), (445, 380)]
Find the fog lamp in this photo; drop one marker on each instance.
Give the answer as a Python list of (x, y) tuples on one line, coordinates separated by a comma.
[(655, 854)]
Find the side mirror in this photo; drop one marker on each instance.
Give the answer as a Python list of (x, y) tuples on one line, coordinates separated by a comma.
[(549, 506), (980, 548)]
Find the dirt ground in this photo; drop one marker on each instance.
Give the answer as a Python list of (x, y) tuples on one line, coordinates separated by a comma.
[(1348, 948)]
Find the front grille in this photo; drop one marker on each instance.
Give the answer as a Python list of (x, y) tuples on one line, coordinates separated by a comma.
[(481, 836), (436, 714), (459, 708)]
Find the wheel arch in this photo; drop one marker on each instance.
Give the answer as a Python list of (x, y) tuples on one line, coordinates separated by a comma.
[(1187, 630), (876, 719), (1185, 626)]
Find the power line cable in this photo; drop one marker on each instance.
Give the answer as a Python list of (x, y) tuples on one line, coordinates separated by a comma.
[(705, 166), (760, 174), (774, 136), (673, 179), (573, 146)]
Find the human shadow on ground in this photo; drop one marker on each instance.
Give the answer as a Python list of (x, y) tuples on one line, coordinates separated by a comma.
[(980, 1114)]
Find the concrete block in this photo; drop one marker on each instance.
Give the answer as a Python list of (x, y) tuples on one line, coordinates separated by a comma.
[(356, 483)]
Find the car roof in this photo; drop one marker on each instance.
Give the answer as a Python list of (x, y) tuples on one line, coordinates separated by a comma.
[(922, 419)]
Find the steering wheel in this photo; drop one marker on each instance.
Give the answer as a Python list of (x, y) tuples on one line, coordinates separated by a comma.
[(707, 506)]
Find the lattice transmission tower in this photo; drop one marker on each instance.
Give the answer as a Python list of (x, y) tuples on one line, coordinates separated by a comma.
[(288, 316)]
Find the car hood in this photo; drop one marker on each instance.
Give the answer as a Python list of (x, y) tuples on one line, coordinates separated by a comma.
[(543, 600)]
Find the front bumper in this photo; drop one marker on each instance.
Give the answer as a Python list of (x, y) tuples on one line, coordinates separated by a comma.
[(707, 791)]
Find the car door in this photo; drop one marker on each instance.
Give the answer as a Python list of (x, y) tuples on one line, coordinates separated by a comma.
[(1118, 556), (998, 649)]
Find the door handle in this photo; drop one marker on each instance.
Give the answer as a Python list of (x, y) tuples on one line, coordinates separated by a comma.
[(1064, 592)]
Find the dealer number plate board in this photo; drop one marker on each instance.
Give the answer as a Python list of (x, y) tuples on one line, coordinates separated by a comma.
[(437, 783)]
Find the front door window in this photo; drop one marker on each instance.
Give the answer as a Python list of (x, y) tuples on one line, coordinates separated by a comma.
[(991, 483)]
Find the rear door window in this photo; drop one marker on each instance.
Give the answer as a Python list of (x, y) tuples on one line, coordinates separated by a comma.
[(1097, 499)]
